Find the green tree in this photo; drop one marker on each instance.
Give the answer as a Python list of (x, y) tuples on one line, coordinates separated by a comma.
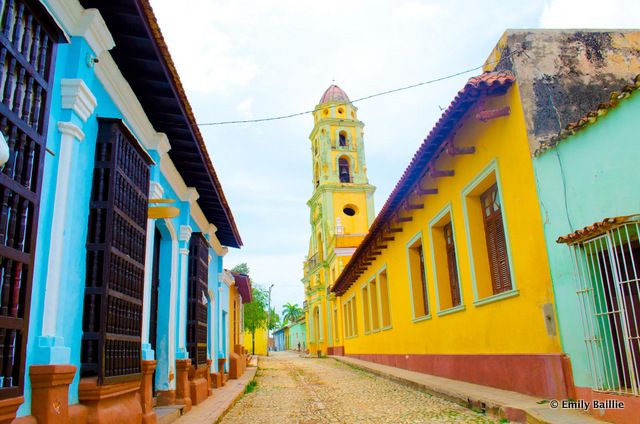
[(255, 313), (274, 319), (291, 312)]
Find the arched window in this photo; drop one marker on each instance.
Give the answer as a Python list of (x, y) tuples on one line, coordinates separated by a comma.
[(342, 138), (343, 170)]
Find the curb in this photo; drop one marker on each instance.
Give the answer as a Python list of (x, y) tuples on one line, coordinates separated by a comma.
[(237, 397)]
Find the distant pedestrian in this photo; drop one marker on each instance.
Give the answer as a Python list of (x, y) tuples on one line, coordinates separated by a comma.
[(298, 346)]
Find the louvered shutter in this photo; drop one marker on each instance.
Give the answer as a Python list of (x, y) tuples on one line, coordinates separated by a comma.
[(496, 241), (452, 265)]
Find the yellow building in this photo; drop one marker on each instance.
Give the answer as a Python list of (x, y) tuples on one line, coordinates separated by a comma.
[(341, 209), (452, 278), (260, 342)]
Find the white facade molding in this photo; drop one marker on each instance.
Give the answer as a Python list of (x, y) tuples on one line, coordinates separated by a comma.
[(160, 143), (93, 28), (227, 278), (215, 243), (69, 129), (4, 150), (190, 195), (185, 234), (55, 269), (87, 23), (155, 190), (77, 97), (344, 251)]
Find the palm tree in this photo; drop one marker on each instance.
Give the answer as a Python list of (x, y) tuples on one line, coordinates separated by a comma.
[(291, 312)]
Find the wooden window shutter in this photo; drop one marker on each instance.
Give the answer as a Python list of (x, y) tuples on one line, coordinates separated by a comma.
[(116, 240), (452, 265), (27, 57), (197, 305), (423, 280), (496, 240)]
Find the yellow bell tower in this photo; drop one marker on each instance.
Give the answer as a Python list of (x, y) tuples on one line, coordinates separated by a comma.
[(341, 211)]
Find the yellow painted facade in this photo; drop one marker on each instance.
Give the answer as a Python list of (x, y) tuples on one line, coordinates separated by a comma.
[(236, 326), (341, 209), (260, 341), (510, 322)]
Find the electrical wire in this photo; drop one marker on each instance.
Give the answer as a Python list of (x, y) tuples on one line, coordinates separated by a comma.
[(371, 96)]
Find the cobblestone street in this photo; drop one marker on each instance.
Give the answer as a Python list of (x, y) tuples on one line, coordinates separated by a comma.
[(291, 389)]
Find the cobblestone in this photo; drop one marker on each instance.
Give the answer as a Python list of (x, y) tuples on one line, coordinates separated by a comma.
[(292, 389)]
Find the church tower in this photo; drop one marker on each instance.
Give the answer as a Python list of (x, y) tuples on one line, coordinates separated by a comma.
[(341, 211)]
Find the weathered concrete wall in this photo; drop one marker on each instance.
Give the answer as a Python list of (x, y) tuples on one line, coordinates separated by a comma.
[(564, 74)]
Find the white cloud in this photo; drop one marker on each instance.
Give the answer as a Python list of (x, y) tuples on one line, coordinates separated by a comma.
[(245, 108)]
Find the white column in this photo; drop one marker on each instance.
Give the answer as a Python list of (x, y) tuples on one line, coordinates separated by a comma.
[(185, 236), (155, 192), (70, 132)]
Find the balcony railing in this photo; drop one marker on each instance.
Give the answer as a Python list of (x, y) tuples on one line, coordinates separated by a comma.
[(312, 262)]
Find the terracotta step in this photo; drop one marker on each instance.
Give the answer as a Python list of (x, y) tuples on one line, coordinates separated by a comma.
[(168, 414)]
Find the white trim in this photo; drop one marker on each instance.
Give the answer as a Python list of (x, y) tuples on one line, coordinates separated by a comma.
[(155, 190), (148, 270), (69, 132), (173, 294), (344, 251), (77, 97), (215, 243), (69, 129), (185, 234), (182, 323), (226, 277), (86, 23)]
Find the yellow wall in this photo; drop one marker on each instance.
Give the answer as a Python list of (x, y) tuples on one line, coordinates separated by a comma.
[(260, 339), (514, 324), (235, 318)]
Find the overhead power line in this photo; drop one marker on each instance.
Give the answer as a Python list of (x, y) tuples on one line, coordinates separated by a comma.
[(371, 96)]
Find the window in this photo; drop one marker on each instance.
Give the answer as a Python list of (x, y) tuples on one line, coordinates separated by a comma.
[(343, 170), (365, 309), (496, 240), (445, 262), (336, 332), (384, 299), (487, 238), (116, 240), (197, 306), (342, 139), (350, 317), (375, 313), (608, 288), (418, 279), (26, 84)]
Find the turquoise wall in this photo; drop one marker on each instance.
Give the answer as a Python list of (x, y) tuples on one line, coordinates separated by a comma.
[(297, 333), (585, 178)]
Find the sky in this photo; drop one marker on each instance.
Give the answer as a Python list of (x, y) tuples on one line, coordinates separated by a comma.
[(246, 59)]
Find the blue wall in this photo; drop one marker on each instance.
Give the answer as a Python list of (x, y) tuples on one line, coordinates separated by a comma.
[(585, 178)]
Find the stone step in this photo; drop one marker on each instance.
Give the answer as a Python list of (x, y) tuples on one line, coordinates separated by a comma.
[(168, 414)]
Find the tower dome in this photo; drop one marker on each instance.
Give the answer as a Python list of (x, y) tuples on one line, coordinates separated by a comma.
[(334, 94)]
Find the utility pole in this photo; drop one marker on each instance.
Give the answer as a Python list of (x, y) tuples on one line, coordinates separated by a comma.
[(269, 317)]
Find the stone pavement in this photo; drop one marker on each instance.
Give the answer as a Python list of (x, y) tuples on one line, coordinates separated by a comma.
[(496, 402), (211, 410), (292, 389)]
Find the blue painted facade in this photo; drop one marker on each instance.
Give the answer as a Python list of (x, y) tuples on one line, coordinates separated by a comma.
[(60, 342), (278, 340)]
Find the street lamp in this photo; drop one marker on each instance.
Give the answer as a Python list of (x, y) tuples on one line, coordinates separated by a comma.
[(269, 317)]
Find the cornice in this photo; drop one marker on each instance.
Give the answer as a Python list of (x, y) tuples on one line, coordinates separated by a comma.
[(77, 97), (70, 129), (226, 277), (185, 232), (215, 243), (155, 190), (189, 195), (86, 23)]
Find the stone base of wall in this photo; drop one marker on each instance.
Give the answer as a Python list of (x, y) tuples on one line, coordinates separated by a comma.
[(8, 408), (628, 415), (146, 392), (50, 392), (78, 414), (543, 375), (335, 350), (198, 384), (165, 397), (111, 403), (183, 391)]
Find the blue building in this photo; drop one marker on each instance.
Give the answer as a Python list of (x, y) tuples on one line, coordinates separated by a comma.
[(279, 339), (114, 224)]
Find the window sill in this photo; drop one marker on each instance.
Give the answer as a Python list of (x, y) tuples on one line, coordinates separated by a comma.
[(496, 297), (422, 318), (377, 330), (388, 327), (351, 337), (451, 310)]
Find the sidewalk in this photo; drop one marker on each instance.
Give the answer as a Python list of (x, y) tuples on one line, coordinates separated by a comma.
[(500, 403), (223, 398)]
